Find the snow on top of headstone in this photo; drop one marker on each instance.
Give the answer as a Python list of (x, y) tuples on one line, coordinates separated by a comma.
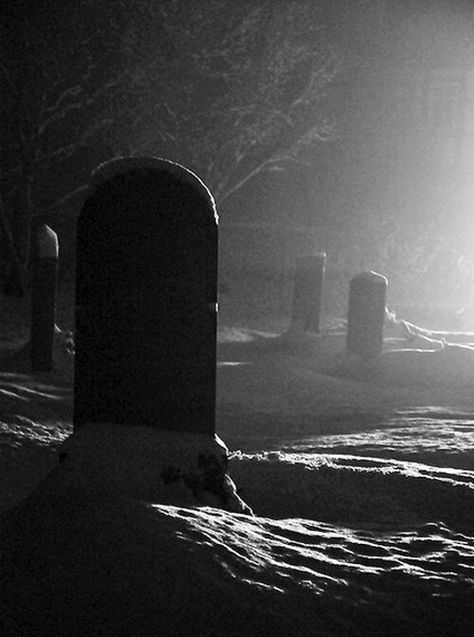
[(310, 260), (123, 165), (370, 275), (48, 246)]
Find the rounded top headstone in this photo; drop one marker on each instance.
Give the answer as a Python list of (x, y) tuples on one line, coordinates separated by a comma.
[(48, 245), (146, 278), (124, 166), (372, 277)]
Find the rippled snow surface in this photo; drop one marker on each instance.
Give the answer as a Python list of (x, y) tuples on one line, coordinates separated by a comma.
[(363, 497)]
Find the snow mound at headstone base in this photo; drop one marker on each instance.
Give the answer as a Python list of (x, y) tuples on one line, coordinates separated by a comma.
[(357, 491), (90, 562)]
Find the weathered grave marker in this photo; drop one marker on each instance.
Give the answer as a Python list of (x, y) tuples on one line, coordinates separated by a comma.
[(307, 293), (43, 299), (365, 321), (146, 294)]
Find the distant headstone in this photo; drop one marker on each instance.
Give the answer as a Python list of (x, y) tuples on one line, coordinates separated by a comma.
[(43, 299), (365, 321), (146, 298), (307, 293)]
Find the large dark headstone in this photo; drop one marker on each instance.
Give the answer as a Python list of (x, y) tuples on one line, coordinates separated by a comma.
[(146, 298)]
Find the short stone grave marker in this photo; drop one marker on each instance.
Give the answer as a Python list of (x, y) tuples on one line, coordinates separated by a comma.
[(307, 293), (366, 314), (43, 299)]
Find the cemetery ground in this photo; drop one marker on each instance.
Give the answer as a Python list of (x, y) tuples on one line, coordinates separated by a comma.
[(361, 481)]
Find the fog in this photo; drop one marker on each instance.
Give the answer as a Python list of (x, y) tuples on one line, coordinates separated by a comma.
[(340, 500)]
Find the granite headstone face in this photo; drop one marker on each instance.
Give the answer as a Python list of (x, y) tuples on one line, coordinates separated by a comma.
[(146, 298)]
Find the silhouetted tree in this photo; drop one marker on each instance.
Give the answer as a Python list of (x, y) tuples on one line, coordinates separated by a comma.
[(58, 72), (230, 91)]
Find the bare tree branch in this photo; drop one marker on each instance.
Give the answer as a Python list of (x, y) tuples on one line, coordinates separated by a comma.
[(235, 98)]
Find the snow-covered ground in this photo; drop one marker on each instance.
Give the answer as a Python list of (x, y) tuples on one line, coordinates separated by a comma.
[(361, 478)]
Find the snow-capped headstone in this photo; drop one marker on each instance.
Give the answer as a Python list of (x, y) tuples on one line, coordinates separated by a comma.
[(146, 298), (307, 293), (365, 320), (43, 299)]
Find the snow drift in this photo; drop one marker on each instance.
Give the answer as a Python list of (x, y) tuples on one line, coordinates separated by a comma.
[(348, 537)]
